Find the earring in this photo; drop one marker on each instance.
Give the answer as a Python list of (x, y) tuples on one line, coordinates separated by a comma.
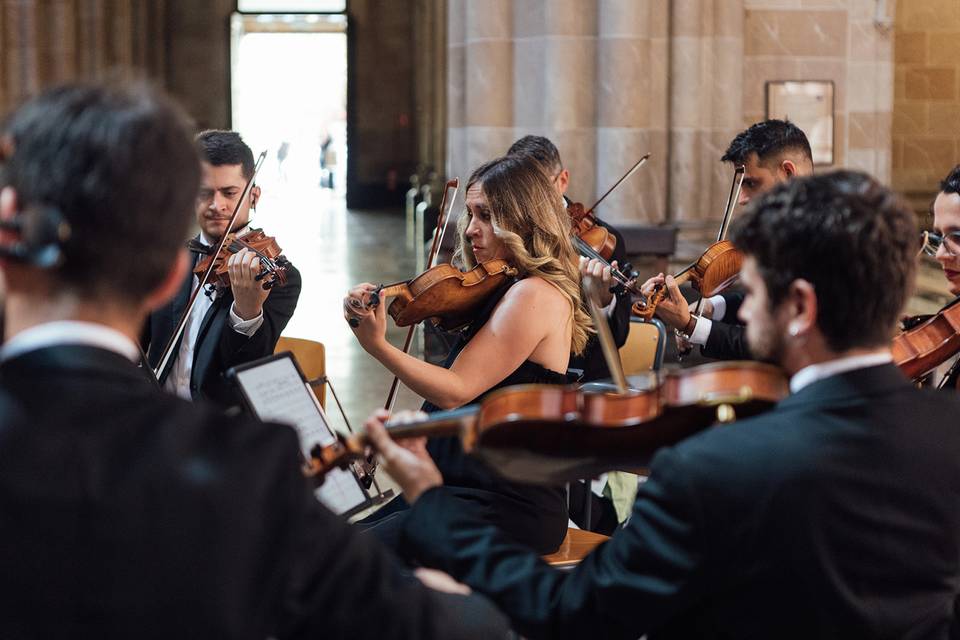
[(794, 331)]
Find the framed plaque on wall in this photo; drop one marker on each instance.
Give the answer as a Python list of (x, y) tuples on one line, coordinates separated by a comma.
[(809, 105)]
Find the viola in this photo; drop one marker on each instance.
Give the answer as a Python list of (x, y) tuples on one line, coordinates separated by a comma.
[(550, 434), (714, 271), (446, 295), (585, 228), (929, 342), (273, 265)]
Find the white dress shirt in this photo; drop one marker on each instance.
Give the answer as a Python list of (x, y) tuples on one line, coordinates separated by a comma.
[(701, 332), (178, 381), (62, 332), (810, 374)]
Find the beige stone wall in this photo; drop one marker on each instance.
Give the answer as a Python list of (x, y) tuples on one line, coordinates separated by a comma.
[(608, 80), (586, 73), (839, 40), (926, 115)]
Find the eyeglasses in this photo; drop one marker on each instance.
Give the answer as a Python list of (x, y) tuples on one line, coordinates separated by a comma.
[(932, 241)]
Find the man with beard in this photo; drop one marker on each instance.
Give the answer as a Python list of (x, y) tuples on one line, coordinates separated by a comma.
[(832, 515)]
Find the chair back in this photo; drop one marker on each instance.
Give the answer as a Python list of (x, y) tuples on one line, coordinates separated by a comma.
[(311, 356), (575, 547), (645, 345)]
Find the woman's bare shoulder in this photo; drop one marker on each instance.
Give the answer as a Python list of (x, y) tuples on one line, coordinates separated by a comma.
[(537, 290)]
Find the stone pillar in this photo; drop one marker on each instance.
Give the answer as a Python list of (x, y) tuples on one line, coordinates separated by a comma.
[(588, 74), (706, 78), (632, 108), (45, 42)]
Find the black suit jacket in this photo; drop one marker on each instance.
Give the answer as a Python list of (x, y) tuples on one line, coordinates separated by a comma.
[(728, 337), (129, 513), (833, 516), (591, 361), (218, 347)]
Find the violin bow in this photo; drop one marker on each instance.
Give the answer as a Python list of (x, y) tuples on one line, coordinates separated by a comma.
[(443, 217), (167, 353), (735, 186), (609, 347), (639, 163), (732, 199)]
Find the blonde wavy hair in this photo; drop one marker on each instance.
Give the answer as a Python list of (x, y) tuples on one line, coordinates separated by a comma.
[(530, 219)]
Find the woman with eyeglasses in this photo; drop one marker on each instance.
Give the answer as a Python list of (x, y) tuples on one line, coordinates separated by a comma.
[(943, 243)]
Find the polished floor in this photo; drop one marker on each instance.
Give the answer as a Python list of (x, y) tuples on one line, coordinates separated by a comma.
[(335, 248)]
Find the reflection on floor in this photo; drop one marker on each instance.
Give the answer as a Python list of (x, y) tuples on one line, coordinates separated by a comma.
[(334, 249)]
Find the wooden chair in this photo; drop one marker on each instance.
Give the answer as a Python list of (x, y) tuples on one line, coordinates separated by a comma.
[(644, 348), (574, 548), (311, 356)]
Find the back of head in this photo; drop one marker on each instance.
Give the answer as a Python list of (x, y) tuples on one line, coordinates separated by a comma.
[(770, 140), (849, 237), (118, 162), (540, 150), (219, 148), (951, 184)]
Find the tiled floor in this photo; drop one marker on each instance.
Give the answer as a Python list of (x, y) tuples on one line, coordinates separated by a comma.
[(334, 249)]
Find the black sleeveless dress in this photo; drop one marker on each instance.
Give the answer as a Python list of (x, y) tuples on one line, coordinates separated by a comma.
[(532, 515)]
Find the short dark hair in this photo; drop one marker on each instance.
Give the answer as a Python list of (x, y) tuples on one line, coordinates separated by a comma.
[(219, 148), (951, 184), (539, 149), (119, 164), (767, 139), (847, 235)]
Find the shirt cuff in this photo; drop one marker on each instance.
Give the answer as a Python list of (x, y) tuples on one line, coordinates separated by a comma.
[(246, 327), (701, 332), (719, 307), (610, 308)]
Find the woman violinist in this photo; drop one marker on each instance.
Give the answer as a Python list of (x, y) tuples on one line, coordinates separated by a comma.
[(524, 334)]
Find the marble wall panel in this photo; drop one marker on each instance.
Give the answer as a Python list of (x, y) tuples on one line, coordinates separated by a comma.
[(489, 92), (926, 111), (624, 94), (639, 199), (797, 33)]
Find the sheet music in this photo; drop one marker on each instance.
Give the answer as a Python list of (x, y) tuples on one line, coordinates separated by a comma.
[(278, 394)]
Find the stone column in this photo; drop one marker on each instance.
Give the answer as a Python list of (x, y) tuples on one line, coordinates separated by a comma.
[(706, 78), (632, 108), (44, 42)]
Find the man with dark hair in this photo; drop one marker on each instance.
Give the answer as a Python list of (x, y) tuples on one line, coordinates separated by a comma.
[(944, 245), (771, 153), (128, 512), (832, 515), (542, 151), (228, 328)]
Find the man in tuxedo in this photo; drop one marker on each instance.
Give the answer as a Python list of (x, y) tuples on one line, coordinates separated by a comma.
[(832, 515), (128, 512), (771, 152), (230, 327)]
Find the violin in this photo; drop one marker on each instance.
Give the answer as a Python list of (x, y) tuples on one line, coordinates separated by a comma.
[(586, 229), (714, 271), (928, 342), (593, 240), (446, 295), (273, 265), (550, 434)]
